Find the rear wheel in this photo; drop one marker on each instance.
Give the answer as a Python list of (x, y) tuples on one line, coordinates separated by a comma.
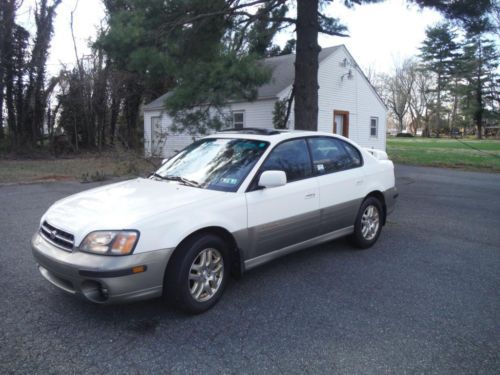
[(368, 223), (197, 273)]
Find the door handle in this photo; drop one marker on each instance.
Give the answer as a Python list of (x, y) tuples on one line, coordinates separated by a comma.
[(359, 182), (311, 195)]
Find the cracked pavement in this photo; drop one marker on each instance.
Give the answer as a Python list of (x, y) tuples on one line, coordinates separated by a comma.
[(424, 299)]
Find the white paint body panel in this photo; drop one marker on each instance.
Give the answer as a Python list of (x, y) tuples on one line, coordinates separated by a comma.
[(166, 212)]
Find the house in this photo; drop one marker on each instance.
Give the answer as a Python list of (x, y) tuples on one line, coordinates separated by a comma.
[(348, 105)]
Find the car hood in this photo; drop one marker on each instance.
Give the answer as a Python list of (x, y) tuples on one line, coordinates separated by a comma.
[(122, 205)]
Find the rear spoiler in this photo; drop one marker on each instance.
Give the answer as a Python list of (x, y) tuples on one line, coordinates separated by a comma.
[(377, 154)]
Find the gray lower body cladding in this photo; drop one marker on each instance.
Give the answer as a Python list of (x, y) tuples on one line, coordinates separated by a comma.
[(390, 196), (263, 243), (102, 279)]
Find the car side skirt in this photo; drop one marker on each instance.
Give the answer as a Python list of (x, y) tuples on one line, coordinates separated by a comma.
[(257, 261)]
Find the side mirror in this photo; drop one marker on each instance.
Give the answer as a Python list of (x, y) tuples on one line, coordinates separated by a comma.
[(164, 161), (269, 179)]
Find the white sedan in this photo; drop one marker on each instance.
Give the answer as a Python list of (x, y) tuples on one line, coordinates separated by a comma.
[(225, 204)]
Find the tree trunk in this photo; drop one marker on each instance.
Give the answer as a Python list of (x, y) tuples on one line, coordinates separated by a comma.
[(115, 110), (132, 102), (6, 63), (478, 115), (2, 38), (455, 104), (306, 66)]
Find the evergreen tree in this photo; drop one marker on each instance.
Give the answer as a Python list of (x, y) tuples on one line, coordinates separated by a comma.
[(262, 32), (480, 80), (471, 15), (439, 52)]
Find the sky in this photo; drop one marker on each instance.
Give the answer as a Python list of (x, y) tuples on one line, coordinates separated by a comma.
[(380, 34)]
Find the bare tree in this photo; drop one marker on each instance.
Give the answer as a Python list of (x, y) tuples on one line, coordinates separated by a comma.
[(420, 100), (398, 91)]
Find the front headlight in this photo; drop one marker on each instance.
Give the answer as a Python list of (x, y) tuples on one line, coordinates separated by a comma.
[(110, 242)]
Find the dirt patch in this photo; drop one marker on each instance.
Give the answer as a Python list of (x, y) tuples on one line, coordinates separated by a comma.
[(88, 168), (54, 178)]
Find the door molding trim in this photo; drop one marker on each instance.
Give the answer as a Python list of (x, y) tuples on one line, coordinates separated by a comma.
[(345, 127)]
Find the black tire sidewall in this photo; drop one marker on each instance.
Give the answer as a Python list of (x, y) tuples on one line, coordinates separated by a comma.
[(176, 283), (357, 236)]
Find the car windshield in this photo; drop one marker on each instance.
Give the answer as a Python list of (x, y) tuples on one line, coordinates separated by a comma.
[(213, 163)]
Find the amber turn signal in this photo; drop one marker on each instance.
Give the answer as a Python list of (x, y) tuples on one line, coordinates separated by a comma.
[(138, 269)]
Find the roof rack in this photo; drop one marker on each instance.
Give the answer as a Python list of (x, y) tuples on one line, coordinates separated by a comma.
[(258, 131)]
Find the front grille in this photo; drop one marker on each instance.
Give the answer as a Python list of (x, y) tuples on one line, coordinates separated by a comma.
[(57, 237)]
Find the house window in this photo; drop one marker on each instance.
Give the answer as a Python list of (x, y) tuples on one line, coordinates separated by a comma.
[(373, 126), (238, 119)]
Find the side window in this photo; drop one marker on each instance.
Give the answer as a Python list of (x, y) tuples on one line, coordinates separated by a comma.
[(373, 127), (238, 119), (354, 153), (333, 155), (292, 157)]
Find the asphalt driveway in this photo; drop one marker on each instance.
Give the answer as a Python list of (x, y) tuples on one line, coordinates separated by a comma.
[(425, 299)]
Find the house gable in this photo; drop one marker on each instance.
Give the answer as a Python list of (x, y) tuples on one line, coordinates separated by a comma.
[(345, 89)]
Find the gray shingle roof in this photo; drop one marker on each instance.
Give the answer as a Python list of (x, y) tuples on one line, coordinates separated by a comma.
[(158, 103), (283, 68), (283, 73)]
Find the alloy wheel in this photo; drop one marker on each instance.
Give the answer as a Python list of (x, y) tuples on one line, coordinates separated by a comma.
[(370, 222), (205, 274)]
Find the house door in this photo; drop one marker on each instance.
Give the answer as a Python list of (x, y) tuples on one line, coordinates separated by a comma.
[(341, 123)]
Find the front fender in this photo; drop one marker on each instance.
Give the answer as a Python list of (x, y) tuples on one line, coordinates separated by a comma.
[(167, 230)]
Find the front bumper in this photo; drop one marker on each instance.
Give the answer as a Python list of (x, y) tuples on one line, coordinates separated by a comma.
[(102, 279)]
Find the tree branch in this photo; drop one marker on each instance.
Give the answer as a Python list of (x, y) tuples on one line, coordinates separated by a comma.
[(332, 33)]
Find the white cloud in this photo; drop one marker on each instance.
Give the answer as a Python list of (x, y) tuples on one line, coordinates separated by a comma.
[(384, 32), (379, 33), (86, 19)]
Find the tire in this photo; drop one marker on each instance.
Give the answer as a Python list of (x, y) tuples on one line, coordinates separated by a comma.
[(197, 274), (368, 224)]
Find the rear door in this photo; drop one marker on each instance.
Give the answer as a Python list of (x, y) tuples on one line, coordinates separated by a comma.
[(338, 165), (282, 216)]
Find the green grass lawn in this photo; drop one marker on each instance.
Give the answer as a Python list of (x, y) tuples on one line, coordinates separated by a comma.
[(440, 152)]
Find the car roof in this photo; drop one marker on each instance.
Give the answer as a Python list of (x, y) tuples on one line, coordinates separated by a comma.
[(271, 135)]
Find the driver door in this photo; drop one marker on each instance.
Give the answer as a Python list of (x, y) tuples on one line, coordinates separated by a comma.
[(286, 215)]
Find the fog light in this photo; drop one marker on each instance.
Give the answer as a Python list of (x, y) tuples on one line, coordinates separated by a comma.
[(104, 292)]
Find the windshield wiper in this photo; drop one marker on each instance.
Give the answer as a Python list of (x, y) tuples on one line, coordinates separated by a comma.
[(180, 179), (154, 174)]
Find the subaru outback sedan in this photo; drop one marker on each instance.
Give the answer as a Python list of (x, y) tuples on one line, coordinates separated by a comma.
[(224, 205)]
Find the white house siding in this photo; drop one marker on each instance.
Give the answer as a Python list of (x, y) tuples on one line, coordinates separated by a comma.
[(354, 95), (258, 114), (169, 142)]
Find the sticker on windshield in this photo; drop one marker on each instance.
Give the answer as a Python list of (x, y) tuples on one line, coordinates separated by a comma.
[(320, 167), (229, 181)]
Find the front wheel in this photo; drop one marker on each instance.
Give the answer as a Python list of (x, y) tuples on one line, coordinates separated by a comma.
[(368, 223), (197, 274)]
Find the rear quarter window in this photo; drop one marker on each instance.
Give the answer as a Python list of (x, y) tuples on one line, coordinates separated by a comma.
[(332, 155)]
